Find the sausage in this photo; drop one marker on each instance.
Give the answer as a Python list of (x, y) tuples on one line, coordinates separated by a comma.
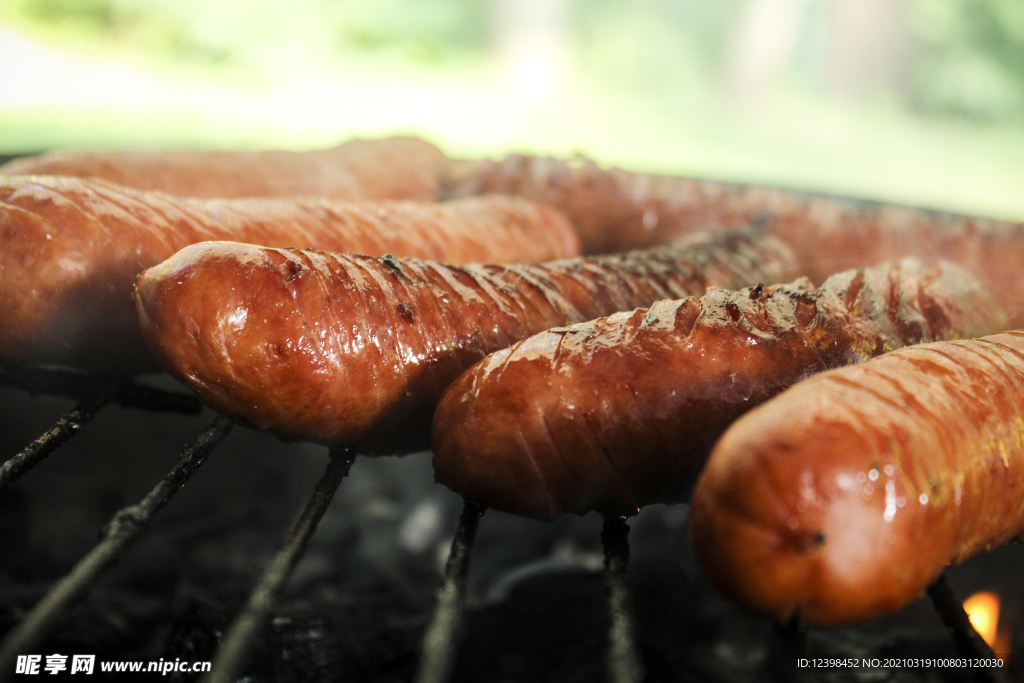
[(844, 497), (70, 250), (621, 412), (354, 350), (392, 168), (615, 209)]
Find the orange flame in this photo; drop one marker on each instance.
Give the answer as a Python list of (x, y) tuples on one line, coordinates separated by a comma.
[(983, 611)]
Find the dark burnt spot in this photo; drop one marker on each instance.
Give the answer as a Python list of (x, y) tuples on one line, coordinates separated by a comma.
[(734, 311), (756, 292), (807, 542), (294, 270), (280, 350), (407, 311), (393, 263)]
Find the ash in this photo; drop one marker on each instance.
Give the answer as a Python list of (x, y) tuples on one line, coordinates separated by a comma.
[(359, 600)]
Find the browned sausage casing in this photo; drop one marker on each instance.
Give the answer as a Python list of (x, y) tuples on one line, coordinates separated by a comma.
[(70, 250), (842, 498), (393, 168), (356, 350), (621, 412), (615, 209)]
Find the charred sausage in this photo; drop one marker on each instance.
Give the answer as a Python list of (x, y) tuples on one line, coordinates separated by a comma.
[(615, 209), (70, 250), (393, 168), (621, 412), (356, 350), (842, 498)]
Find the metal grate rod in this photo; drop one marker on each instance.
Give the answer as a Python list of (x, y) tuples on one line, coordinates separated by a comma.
[(231, 656), (93, 393), (968, 641), (80, 385), (66, 427), (122, 529), (442, 632), (624, 664), (793, 637)]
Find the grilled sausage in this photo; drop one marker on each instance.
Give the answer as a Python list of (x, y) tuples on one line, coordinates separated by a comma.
[(621, 412), (393, 168), (615, 209), (70, 250), (356, 350), (842, 498)]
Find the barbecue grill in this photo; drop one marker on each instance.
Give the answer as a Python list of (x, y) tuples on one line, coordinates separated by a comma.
[(218, 576), (547, 615)]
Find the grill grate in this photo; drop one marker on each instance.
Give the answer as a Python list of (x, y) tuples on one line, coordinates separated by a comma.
[(441, 636), (440, 642), (624, 665), (93, 394), (67, 426), (240, 638), (126, 525), (968, 640)]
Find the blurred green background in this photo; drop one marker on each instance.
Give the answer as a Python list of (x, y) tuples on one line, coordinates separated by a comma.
[(913, 101)]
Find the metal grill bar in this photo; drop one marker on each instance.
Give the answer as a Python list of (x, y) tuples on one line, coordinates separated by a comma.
[(624, 663), (119, 533), (793, 636), (93, 394), (79, 385), (440, 638), (66, 427), (234, 649), (968, 641)]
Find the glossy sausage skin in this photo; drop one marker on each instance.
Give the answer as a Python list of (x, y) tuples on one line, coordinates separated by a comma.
[(356, 350), (844, 497), (615, 209), (621, 412), (392, 168), (70, 251)]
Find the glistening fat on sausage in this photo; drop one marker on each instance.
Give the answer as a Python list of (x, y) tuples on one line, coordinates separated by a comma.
[(70, 250), (617, 413), (356, 350), (843, 498), (391, 168)]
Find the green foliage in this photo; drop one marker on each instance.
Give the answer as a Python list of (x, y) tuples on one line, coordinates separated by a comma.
[(973, 61), (668, 50), (255, 31)]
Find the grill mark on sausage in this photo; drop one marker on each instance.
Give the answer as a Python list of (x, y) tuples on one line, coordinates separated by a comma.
[(84, 315), (461, 316), (722, 353), (603, 450), (972, 411), (545, 489), (557, 448)]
